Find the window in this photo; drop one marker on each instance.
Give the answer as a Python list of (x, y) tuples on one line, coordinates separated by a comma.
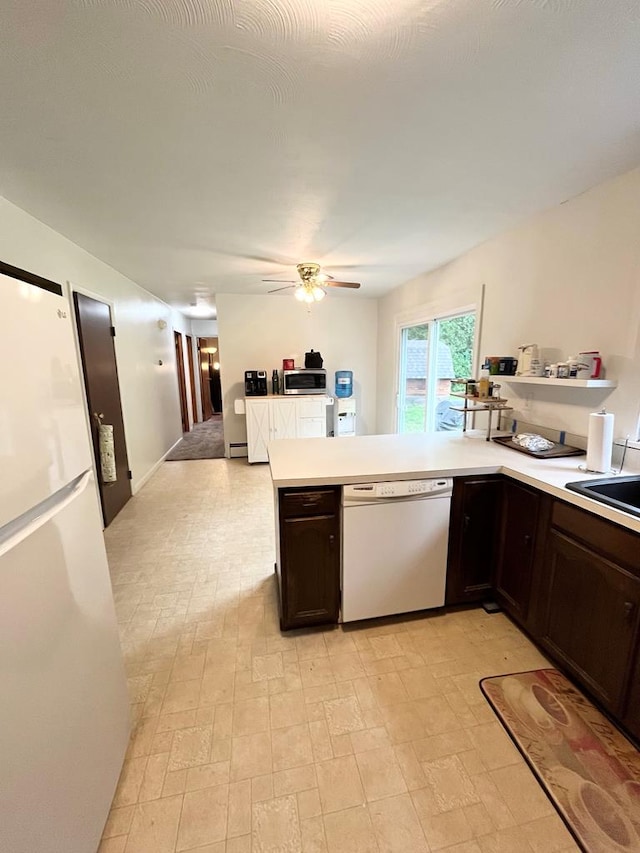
[(431, 354)]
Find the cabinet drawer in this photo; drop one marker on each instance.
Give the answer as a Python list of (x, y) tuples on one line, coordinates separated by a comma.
[(312, 428), (310, 408), (604, 537), (294, 504)]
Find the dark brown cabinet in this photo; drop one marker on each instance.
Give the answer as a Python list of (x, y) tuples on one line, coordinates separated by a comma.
[(518, 540), (309, 557), (473, 538), (590, 605), (632, 713), (591, 616)]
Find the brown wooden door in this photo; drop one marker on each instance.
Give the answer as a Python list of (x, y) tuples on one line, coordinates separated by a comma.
[(204, 361), (311, 570), (518, 540), (473, 541), (591, 617), (95, 333), (192, 378), (182, 386)]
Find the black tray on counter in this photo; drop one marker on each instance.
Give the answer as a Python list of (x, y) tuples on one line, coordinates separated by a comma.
[(554, 452)]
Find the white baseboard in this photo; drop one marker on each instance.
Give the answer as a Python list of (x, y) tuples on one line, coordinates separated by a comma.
[(135, 487)]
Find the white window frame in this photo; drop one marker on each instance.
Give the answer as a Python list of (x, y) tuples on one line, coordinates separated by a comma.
[(462, 302)]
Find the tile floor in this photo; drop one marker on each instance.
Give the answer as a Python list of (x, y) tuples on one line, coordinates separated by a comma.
[(370, 740)]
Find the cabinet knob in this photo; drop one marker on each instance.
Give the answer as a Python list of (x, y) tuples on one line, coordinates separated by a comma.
[(332, 538), (527, 540), (466, 521), (629, 610)]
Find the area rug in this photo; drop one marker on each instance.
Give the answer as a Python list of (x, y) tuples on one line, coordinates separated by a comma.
[(205, 441), (589, 770)]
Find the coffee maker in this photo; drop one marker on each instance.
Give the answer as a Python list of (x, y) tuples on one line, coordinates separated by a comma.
[(255, 383)]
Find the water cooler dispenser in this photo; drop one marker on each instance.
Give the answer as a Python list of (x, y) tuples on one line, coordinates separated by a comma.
[(344, 408)]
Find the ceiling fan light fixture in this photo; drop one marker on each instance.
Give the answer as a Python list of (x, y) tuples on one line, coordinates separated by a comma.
[(300, 293), (318, 293)]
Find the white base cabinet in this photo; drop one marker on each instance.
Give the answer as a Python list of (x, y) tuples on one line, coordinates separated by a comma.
[(271, 418)]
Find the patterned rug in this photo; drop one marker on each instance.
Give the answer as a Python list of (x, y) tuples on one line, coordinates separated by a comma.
[(205, 441), (589, 770)]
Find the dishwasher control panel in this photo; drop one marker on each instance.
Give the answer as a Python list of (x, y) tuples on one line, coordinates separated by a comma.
[(397, 489)]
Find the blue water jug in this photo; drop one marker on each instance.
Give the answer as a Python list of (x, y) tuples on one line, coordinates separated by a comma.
[(344, 383)]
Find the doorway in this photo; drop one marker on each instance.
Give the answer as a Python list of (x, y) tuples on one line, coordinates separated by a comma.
[(431, 355), (182, 385), (95, 335), (210, 384)]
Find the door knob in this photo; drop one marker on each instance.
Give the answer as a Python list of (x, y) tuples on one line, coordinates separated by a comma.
[(629, 609)]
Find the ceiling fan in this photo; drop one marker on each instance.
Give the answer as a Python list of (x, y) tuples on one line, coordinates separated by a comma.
[(312, 282)]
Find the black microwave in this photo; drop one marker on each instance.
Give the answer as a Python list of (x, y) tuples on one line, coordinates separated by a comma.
[(305, 381)]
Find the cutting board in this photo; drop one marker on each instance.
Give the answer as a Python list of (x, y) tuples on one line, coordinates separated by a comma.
[(553, 453)]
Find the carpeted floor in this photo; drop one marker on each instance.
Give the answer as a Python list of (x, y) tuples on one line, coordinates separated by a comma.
[(589, 770), (205, 441)]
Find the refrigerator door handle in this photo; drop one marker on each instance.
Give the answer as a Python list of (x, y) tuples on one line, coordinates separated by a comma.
[(26, 524)]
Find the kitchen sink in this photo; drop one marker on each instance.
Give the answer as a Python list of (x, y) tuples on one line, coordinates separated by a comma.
[(620, 492)]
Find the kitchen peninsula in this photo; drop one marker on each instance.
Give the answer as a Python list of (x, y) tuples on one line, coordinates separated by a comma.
[(564, 567)]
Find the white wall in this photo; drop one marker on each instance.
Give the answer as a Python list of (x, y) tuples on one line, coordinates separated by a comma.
[(568, 280), (149, 392), (257, 332)]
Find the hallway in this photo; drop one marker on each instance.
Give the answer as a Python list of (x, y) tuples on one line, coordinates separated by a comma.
[(250, 741)]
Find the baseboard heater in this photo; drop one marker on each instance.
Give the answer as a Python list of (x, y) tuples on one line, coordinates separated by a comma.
[(237, 449)]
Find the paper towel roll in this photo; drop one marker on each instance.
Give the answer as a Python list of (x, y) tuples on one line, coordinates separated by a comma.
[(107, 454), (600, 442)]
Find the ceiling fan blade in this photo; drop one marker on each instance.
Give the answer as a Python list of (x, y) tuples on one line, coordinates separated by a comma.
[(352, 284), (279, 280), (278, 289)]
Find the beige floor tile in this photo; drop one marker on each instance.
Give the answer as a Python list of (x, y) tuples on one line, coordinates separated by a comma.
[(450, 783), (207, 776), (130, 781), (190, 747), (350, 831), (204, 817), (346, 667), (291, 747), (380, 773), (313, 836), (262, 788), (446, 829), (505, 841), (182, 696), (240, 799), (118, 822), (419, 683), (548, 835), (339, 784), (396, 825), (522, 793), (113, 845), (153, 779), (154, 828), (276, 828), (320, 741), (250, 756), (265, 667), (236, 845), (316, 672), (494, 746), (251, 716), (374, 738), (294, 780), (287, 709), (309, 804), (343, 715)]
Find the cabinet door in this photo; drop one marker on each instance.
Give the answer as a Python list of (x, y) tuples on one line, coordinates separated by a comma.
[(475, 523), (312, 428), (310, 555), (283, 418), (258, 430), (515, 566), (591, 616)]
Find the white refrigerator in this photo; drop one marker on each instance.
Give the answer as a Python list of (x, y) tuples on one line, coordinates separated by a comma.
[(64, 713)]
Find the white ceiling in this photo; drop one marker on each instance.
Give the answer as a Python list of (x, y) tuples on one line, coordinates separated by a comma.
[(199, 146)]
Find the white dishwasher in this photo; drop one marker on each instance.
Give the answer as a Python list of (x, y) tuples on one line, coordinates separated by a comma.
[(394, 547)]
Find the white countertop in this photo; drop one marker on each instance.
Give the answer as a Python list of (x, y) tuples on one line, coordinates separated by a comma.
[(374, 458)]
